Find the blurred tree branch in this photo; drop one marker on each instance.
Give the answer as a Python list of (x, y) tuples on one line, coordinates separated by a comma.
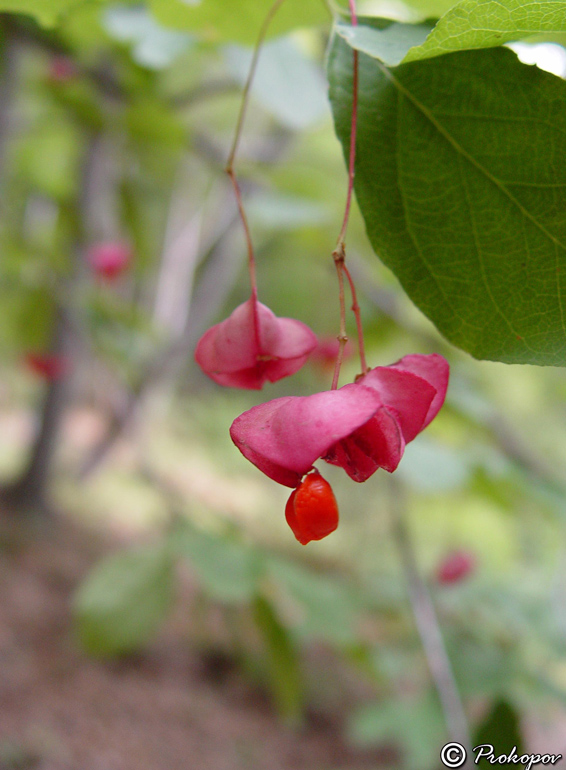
[(427, 622), (216, 281)]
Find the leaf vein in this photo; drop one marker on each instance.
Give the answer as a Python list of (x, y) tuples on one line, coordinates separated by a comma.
[(414, 240), (464, 153)]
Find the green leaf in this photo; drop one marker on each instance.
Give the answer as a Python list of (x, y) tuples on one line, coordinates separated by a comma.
[(468, 25), (481, 669), (491, 23), (152, 123), (33, 318), (49, 158), (227, 569), (124, 600), (384, 39), (461, 180), (47, 12), (502, 730), (283, 670), (417, 726), (239, 21), (429, 9), (153, 46), (329, 608)]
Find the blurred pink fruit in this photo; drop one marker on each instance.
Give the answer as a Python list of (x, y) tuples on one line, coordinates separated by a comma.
[(455, 566), (62, 69), (49, 367), (110, 259)]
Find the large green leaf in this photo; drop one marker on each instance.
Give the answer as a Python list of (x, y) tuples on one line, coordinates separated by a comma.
[(238, 21), (461, 180), (468, 25), (383, 39), (123, 601), (491, 23), (428, 9)]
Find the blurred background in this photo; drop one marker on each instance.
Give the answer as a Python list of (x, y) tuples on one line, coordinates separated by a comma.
[(155, 609)]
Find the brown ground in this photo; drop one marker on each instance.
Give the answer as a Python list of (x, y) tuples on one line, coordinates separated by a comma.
[(165, 709)]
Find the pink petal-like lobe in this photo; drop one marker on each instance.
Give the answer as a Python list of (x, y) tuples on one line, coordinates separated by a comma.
[(360, 427), (377, 444), (435, 370), (253, 346), (412, 391), (407, 396), (284, 437)]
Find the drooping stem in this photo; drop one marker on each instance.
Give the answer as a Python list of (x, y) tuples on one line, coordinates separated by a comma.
[(358, 317), (353, 131), (428, 626), (230, 164), (352, 154), (247, 233), (247, 87), (339, 254), (353, 14)]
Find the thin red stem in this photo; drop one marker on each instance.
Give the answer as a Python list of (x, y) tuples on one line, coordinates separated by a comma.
[(247, 232), (352, 156), (339, 253), (356, 312), (231, 158), (353, 14), (247, 87), (353, 132), (338, 256)]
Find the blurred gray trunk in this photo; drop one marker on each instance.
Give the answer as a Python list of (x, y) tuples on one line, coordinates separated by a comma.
[(8, 76), (29, 493)]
